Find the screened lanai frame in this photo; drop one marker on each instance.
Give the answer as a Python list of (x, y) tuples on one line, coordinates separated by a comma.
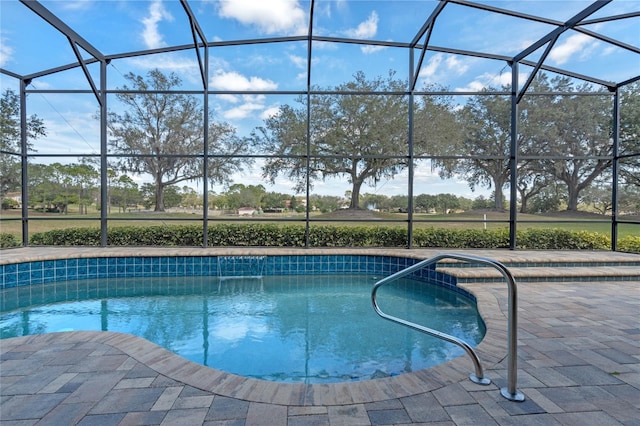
[(416, 49)]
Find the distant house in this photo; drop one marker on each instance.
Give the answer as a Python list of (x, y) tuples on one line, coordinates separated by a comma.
[(246, 211), (15, 196)]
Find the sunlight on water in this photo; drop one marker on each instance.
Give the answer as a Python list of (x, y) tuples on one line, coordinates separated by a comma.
[(304, 329)]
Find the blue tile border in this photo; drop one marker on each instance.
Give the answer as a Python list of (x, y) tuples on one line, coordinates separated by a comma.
[(41, 272)]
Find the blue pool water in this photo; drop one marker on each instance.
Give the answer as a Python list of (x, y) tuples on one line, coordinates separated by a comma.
[(295, 328)]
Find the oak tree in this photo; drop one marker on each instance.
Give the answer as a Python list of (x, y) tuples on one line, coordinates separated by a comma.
[(161, 133)]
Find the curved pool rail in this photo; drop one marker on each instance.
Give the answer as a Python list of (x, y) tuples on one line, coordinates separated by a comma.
[(510, 392)]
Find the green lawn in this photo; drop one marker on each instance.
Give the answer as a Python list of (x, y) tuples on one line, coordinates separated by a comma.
[(578, 222), (41, 222)]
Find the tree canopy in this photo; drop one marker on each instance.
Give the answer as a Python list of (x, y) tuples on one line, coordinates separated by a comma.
[(10, 150), (630, 135), (577, 139), (483, 148), (353, 134), (361, 137), (564, 136), (162, 134)]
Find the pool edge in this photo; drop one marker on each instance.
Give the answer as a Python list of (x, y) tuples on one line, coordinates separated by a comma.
[(491, 350)]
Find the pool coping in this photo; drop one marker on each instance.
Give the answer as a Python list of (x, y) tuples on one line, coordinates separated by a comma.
[(491, 350)]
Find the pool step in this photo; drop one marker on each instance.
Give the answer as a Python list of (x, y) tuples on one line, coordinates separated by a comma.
[(547, 272)]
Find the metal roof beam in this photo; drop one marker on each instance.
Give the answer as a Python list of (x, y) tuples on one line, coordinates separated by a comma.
[(193, 20), (631, 80), (480, 55), (428, 29), (361, 41), (428, 24), (608, 40), (11, 74), (550, 39), (594, 7), (317, 38), (85, 70), (571, 74), (512, 13), (309, 43), (58, 69), (536, 68), (258, 41), (53, 20), (160, 50), (196, 31), (609, 18), (423, 51)]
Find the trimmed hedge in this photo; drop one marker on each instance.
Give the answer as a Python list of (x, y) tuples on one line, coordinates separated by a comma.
[(630, 244), (272, 235), (8, 240), (67, 237), (560, 239), (460, 238)]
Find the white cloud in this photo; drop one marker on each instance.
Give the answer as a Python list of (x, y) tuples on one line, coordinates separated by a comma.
[(474, 86), (576, 43), (456, 65), (270, 17), (6, 52), (41, 85), (76, 5), (433, 64), (487, 80), (366, 29), (233, 99), (298, 61), (181, 65), (235, 81), (246, 106), (270, 112), (325, 45), (441, 67), (503, 79), (242, 111), (238, 328), (368, 49), (70, 132), (150, 35), (186, 67)]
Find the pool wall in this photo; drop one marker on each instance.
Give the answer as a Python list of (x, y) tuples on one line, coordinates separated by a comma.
[(491, 350), (49, 271)]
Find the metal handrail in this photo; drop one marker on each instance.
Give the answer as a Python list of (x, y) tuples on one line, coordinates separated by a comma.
[(510, 392)]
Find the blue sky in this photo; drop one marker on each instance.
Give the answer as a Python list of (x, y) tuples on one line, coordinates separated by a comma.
[(29, 44)]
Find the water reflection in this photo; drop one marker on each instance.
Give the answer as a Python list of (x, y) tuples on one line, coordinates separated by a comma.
[(287, 328)]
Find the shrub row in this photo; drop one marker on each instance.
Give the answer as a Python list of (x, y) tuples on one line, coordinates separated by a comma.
[(271, 235), (8, 240), (629, 244)]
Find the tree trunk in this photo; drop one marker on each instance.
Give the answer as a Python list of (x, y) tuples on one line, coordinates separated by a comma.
[(574, 186), (355, 194), (572, 198), (159, 198), (523, 203), (498, 194)]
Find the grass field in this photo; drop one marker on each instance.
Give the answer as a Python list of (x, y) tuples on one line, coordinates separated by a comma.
[(40, 222)]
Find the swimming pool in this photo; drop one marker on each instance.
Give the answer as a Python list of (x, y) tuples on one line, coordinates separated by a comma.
[(232, 299)]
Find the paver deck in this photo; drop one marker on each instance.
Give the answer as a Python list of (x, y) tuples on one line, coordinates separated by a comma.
[(578, 363)]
